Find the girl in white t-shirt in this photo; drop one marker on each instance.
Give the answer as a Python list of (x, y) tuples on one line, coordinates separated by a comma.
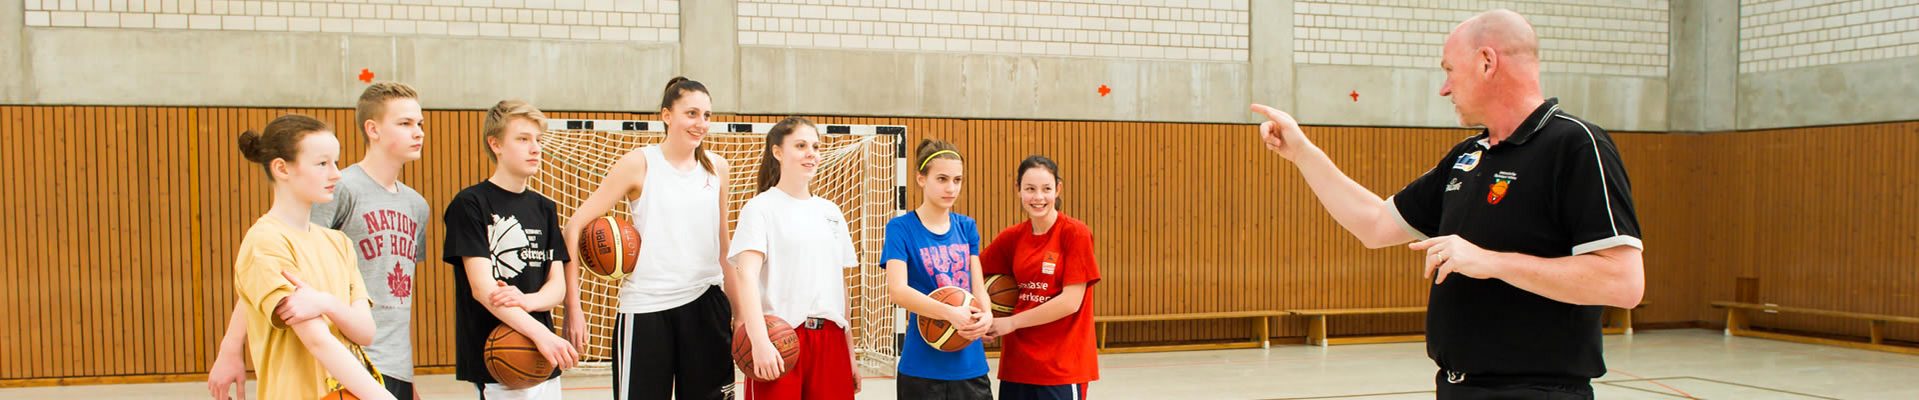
[(792, 248)]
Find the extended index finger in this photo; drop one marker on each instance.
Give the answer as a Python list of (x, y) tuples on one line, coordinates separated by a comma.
[(1271, 113)]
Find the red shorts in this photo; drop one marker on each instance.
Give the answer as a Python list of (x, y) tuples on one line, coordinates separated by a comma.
[(823, 372)]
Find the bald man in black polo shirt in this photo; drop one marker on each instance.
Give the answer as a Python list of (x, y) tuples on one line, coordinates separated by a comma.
[(1528, 227)]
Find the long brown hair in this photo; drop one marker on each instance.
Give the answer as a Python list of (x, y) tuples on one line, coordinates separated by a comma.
[(680, 86), (769, 166), (281, 140)]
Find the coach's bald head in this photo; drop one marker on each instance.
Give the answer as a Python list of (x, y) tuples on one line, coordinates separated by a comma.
[(1492, 67), (1503, 30)]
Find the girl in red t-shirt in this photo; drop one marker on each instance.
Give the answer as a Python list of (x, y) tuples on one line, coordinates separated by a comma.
[(1047, 349)]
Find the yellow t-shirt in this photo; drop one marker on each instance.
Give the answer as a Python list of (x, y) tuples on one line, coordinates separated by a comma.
[(320, 257)]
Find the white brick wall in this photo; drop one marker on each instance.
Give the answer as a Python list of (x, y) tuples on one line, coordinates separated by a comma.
[(615, 20), (1612, 37), (1199, 30), (1775, 35)]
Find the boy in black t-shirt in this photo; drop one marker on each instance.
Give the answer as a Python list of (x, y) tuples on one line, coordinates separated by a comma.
[(505, 245)]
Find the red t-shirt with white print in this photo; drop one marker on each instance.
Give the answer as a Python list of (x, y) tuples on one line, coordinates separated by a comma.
[(1063, 351)]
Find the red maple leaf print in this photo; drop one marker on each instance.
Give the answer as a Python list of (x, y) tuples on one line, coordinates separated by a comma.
[(399, 283)]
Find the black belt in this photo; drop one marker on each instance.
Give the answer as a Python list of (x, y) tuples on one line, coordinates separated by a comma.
[(816, 323), (1462, 378)]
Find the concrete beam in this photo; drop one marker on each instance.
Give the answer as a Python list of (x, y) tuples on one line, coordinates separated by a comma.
[(1870, 91), (843, 82), (1390, 96), (269, 69), (1618, 103)]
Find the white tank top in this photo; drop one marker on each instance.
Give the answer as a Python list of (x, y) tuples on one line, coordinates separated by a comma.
[(678, 216)]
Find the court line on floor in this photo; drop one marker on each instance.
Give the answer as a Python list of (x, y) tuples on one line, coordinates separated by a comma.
[(1616, 383), (1654, 381), (1269, 360), (1766, 389), (1817, 351), (1351, 396), (1609, 383)]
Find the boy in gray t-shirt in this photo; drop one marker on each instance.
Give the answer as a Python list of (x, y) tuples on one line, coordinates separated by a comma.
[(386, 220)]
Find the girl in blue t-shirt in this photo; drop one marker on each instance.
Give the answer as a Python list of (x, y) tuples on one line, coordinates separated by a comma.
[(926, 249)]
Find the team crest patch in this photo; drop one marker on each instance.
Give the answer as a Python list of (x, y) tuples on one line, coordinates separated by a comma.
[(1467, 162), (1501, 182)]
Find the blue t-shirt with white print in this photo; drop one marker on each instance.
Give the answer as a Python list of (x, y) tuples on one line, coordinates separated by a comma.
[(933, 261)]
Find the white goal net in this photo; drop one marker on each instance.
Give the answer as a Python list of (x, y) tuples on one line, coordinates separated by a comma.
[(861, 171)]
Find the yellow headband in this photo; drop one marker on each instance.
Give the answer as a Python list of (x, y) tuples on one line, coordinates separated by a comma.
[(936, 154)]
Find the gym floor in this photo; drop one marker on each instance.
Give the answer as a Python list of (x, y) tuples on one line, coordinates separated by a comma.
[(1658, 364)]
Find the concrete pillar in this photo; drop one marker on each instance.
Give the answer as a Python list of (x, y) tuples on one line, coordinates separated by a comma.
[(709, 50), (13, 53), (1271, 55), (1704, 77)]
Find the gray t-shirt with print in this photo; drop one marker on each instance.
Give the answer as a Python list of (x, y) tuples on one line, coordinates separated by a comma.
[(388, 230)]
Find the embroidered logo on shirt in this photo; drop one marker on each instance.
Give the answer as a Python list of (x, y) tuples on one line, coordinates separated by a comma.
[(1467, 162), (1501, 181), (1452, 186)]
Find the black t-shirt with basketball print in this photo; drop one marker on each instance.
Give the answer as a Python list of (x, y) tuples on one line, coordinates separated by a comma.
[(520, 234)]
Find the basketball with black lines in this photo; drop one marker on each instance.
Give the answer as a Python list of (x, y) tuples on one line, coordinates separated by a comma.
[(778, 332), (610, 247), (513, 359), (1003, 293), (939, 333)]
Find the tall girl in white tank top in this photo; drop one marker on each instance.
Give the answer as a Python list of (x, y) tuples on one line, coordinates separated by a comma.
[(674, 216), (672, 336)]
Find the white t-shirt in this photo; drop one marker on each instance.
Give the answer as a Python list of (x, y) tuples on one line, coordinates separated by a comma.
[(807, 248), (678, 216)]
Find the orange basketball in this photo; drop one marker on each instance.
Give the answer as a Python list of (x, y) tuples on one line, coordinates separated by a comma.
[(341, 394), (513, 359), (777, 331), (1003, 293), (939, 333), (610, 247)]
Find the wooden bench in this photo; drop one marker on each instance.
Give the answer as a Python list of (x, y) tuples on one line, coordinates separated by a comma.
[(1739, 324), (1261, 338), (1619, 320), (1316, 325)]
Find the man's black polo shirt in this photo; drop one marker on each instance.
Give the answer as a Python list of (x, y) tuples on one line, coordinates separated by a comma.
[(1555, 188)]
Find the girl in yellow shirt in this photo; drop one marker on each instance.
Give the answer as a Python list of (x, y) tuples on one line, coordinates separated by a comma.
[(303, 295)]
